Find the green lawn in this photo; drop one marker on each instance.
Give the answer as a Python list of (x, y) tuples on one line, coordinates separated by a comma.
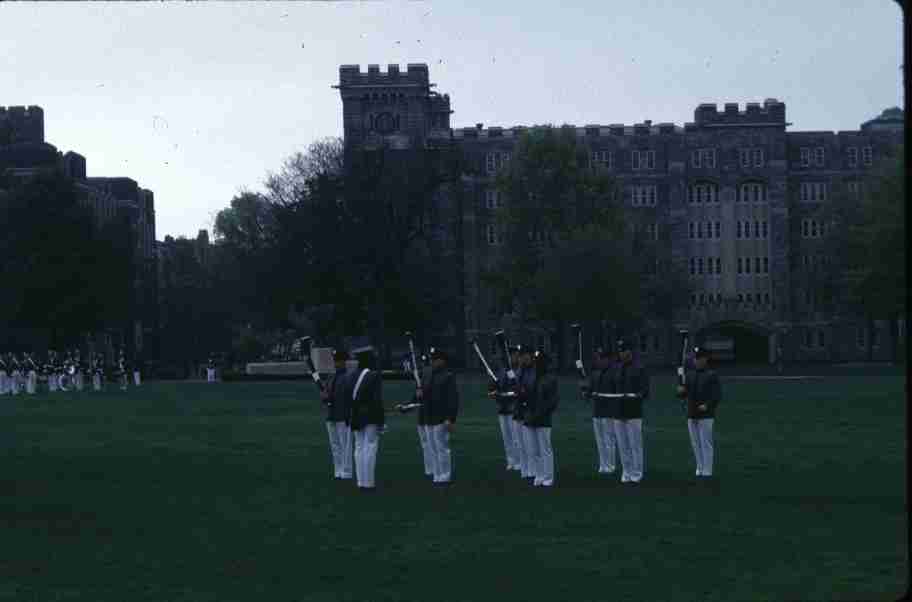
[(196, 492)]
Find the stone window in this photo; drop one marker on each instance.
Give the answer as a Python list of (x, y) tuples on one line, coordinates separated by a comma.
[(805, 156), (692, 230), (718, 229), (600, 158), (495, 236), (703, 157), (819, 156), (745, 155), (766, 265), (718, 265), (752, 192), (693, 265), (700, 265), (813, 192), (867, 155), (703, 192), (740, 266), (853, 156), (758, 157), (492, 199), (643, 196), (642, 159), (765, 229)]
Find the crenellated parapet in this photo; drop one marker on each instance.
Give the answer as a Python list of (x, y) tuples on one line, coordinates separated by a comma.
[(21, 124), (771, 113)]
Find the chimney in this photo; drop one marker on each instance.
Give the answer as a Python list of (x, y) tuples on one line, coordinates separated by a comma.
[(479, 126)]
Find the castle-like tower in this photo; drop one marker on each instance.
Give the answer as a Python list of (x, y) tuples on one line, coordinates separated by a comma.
[(21, 124), (731, 199)]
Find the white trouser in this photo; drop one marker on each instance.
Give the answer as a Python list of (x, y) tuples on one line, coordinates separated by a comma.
[(62, 382), (605, 442), (544, 475), (701, 441), (96, 382), (136, 379), (531, 445), (31, 383), (367, 441), (3, 382), (427, 453), (124, 379), (80, 381), (14, 383), (340, 446), (520, 445), (210, 375), (440, 448), (52, 382), (629, 434), (506, 432)]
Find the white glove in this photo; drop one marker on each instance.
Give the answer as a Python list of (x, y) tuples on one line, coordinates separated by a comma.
[(579, 364), (681, 371)]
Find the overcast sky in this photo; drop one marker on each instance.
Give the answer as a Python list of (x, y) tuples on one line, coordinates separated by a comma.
[(197, 100)]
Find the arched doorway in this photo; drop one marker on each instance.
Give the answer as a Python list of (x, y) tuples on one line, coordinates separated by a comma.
[(736, 342)]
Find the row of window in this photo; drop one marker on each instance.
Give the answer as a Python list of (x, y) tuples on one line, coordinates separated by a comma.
[(699, 158), (751, 156), (697, 230), (762, 299), (811, 228), (813, 191), (697, 265), (643, 196), (761, 265), (812, 261), (761, 229), (707, 192), (816, 156)]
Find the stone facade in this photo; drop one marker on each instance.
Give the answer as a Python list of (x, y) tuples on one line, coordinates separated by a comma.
[(727, 194)]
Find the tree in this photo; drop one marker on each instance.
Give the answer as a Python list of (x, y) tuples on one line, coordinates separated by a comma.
[(324, 157), (68, 277), (563, 226)]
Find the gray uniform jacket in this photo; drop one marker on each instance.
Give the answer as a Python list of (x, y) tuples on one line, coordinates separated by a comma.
[(338, 402), (367, 407), (703, 386), (441, 397)]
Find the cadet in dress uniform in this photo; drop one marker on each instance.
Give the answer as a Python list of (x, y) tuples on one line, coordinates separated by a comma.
[(367, 417), (31, 372), (210, 370), (15, 375), (525, 384), (441, 398), (703, 392), (78, 379), (423, 428), (604, 411), (543, 400), (122, 370), (98, 372), (503, 392), (630, 378), (4, 376), (137, 375), (337, 396)]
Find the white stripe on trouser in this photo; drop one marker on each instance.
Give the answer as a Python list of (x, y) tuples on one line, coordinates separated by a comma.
[(520, 446), (606, 443), (701, 441), (335, 448), (506, 432), (367, 441), (427, 453), (31, 383), (545, 453), (531, 446), (440, 447)]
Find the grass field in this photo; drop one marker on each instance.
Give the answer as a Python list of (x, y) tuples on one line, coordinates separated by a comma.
[(196, 492)]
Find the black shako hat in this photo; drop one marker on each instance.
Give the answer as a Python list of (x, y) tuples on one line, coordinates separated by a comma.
[(524, 349), (541, 358), (439, 354), (701, 352)]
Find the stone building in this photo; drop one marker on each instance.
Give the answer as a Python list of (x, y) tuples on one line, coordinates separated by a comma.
[(24, 152), (732, 197)]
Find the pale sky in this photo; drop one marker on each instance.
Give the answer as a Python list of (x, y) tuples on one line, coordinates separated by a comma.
[(198, 100)]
